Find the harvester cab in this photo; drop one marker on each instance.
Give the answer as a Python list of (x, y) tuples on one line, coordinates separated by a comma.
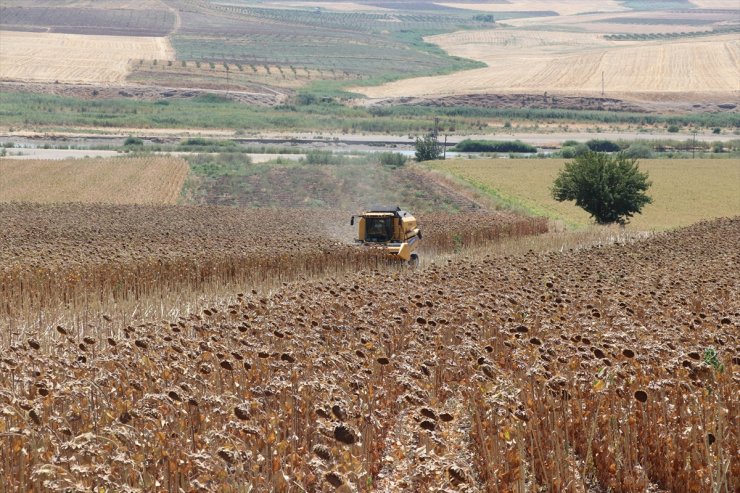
[(390, 228)]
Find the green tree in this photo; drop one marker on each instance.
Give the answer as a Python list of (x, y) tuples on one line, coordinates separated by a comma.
[(609, 187), (427, 148)]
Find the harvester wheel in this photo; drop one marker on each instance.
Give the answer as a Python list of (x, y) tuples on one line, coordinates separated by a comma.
[(414, 260)]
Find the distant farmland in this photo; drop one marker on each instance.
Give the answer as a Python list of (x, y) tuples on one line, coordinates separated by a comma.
[(75, 20), (53, 57), (149, 180), (568, 63), (684, 191)]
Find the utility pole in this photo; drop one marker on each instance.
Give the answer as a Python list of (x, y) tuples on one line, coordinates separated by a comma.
[(602, 82), (436, 125)]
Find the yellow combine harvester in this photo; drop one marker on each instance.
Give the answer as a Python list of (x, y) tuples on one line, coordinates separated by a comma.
[(391, 229)]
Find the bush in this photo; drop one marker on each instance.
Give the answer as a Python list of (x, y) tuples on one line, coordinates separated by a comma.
[(570, 152), (207, 145), (133, 141), (599, 145), (392, 159), (673, 128), (321, 157), (428, 148), (609, 187), (493, 146), (567, 152), (639, 150), (484, 18), (716, 130)]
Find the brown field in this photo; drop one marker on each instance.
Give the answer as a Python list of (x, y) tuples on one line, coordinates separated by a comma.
[(150, 180), (331, 6), (110, 258), (51, 57), (714, 4), (573, 63), (562, 7), (684, 191), (90, 4), (599, 368), (93, 21)]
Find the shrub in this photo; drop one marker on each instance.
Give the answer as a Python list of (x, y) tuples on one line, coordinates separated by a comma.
[(716, 130), (484, 18), (609, 187), (392, 159), (601, 145), (493, 146), (321, 157), (639, 150), (428, 148), (673, 128), (133, 141), (569, 152)]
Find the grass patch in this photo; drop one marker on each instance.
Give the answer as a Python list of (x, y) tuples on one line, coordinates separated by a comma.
[(25, 109), (684, 191)]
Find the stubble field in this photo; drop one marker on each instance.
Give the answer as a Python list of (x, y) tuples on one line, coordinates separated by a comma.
[(684, 191), (52, 57), (562, 7), (573, 63), (146, 180)]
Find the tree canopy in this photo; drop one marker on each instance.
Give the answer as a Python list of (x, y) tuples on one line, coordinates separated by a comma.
[(428, 148), (609, 187)]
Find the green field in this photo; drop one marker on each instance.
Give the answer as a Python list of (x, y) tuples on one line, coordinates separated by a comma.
[(684, 191), (372, 46)]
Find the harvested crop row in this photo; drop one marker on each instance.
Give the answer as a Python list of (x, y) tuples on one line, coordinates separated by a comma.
[(615, 367), (84, 259)]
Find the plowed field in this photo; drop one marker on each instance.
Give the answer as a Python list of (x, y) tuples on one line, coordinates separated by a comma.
[(52, 57), (609, 368), (152, 180)]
